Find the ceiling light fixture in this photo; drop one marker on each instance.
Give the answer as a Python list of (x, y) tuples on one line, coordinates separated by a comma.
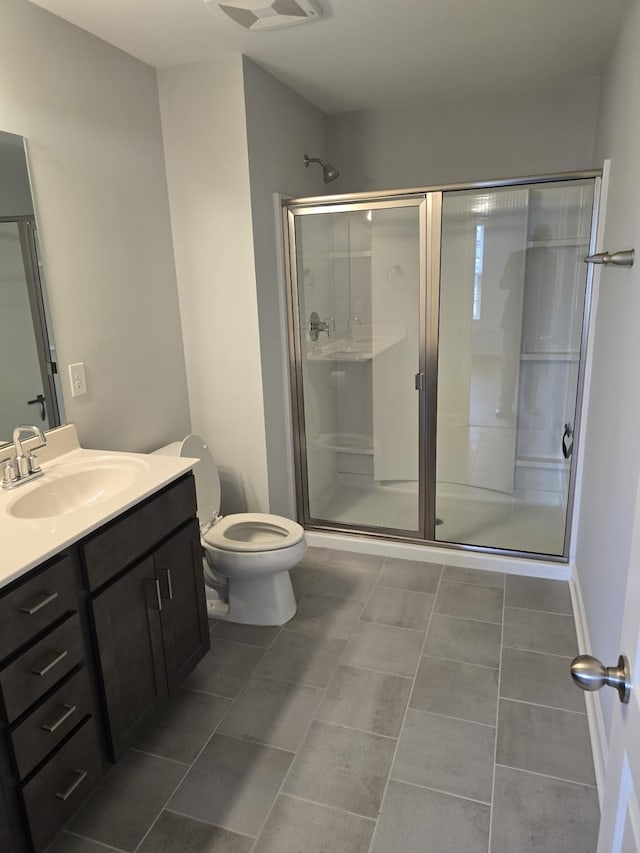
[(265, 15)]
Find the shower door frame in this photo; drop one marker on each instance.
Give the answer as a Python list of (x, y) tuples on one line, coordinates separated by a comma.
[(430, 244)]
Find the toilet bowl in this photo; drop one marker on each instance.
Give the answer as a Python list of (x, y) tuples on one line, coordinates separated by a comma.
[(247, 556)]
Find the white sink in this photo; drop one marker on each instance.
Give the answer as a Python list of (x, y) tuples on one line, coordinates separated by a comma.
[(71, 486)]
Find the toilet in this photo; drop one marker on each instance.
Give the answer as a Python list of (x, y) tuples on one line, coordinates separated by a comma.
[(247, 556)]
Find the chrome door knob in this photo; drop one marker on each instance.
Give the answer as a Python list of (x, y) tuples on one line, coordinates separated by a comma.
[(590, 674)]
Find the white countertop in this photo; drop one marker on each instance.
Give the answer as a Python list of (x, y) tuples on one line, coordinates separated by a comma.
[(27, 542)]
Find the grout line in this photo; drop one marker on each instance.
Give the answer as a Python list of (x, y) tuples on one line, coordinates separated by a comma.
[(538, 652), (213, 825), (466, 618), (406, 711), (331, 808), (546, 776), (539, 705), (109, 847), (161, 757), (449, 717), (354, 729), (462, 662), (206, 693), (495, 747), (534, 610), (411, 592), (440, 791)]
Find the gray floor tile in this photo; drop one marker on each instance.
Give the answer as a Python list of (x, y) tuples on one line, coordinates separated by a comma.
[(410, 574), (301, 579), (301, 658), (180, 729), (474, 576), (399, 607), (225, 669), (362, 699), (341, 767), (68, 843), (535, 814), (325, 616), (445, 754), (253, 635), (414, 820), (175, 833), (469, 601), (464, 640), (351, 580), (380, 647), (553, 633), (314, 558), (540, 679), (128, 800), (538, 594), (232, 784), (276, 713), (456, 690), (353, 559), (295, 826), (544, 740)]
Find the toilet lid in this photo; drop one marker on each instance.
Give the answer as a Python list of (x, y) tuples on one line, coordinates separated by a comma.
[(256, 531), (206, 476)]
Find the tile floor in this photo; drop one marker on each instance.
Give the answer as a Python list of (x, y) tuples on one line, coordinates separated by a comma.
[(406, 707)]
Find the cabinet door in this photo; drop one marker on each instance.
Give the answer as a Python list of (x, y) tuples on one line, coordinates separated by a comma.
[(185, 627), (130, 653)]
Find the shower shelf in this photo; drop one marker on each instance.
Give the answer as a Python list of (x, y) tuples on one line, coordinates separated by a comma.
[(346, 442)]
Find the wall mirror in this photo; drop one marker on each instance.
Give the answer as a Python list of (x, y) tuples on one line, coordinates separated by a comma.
[(29, 381)]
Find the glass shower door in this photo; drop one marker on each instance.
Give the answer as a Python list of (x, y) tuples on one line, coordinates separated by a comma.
[(512, 297), (357, 308)]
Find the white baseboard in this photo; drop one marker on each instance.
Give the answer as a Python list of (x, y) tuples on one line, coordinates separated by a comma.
[(599, 746)]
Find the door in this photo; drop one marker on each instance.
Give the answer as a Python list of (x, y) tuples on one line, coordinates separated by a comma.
[(130, 651), (357, 308), (185, 629), (620, 820)]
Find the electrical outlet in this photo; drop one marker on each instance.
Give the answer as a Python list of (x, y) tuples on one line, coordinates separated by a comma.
[(78, 379)]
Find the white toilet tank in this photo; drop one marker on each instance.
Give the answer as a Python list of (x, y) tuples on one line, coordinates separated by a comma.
[(205, 473)]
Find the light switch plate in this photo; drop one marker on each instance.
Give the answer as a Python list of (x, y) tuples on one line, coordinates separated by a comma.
[(78, 379)]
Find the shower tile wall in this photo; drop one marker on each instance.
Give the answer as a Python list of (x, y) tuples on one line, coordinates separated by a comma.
[(395, 712)]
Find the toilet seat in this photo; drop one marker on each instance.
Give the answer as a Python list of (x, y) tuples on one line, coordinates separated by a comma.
[(252, 532)]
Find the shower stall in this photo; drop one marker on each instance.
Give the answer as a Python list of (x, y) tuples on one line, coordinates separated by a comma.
[(437, 342)]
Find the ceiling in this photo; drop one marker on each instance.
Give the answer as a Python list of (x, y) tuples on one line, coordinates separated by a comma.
[(365, 54)]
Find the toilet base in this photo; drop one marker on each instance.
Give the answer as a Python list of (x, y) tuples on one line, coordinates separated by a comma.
[(258, 601)]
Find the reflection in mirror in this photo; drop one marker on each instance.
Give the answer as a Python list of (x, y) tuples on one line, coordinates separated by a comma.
[(29, 383)]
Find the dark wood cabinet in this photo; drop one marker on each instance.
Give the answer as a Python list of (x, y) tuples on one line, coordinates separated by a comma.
[(90, 643)]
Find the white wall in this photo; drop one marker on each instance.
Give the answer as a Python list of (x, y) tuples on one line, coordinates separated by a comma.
[(281, 128), (612, 450), (205, 134), (90, 115), (482, 139)]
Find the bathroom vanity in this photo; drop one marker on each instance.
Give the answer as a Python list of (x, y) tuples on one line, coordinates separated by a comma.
[(102, 615)]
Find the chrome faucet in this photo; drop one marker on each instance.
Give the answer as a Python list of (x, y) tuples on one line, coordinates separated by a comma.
[(24, 467)]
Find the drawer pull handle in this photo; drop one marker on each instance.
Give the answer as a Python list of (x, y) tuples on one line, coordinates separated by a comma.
[(47, 599), (60, 654), (68, 711), (81, 776)]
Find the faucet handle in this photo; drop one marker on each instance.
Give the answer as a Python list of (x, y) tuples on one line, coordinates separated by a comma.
[(32, 461), (9, 475)]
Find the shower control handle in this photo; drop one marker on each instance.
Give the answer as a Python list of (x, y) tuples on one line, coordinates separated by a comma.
[(316, 325)]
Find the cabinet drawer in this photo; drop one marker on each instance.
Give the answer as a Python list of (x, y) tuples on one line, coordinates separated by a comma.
[(40, 667), (50, 723), (33, 605), (127, 538), (58, 789)]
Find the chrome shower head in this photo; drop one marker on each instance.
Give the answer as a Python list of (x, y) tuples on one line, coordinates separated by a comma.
[(329, 172)]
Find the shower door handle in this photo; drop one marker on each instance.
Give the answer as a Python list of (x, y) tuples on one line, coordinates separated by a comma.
[(419, 381), (567, 441)]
